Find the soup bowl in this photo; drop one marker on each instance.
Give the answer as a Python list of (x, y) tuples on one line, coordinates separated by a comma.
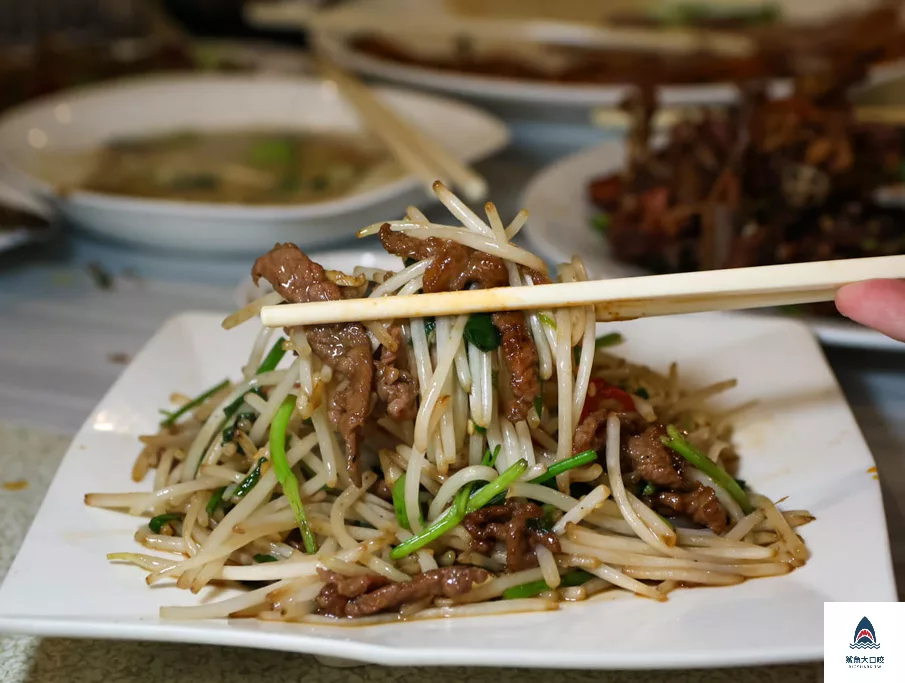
[(64, 126)]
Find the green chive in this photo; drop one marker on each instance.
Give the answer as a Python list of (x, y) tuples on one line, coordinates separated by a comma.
[(642, 392), (697, 459), (482, 333), (265, 558), (484, 495), (448, 521), (547, 320), (557, 468), (489, 459), (649, 489), (601, 223), (399, 503), (610, 339), (194, 403), (539, 406), (284, 472), (478, 429), (156, 523), (529, 590), (215, 501), (273, 357), (249, 482)]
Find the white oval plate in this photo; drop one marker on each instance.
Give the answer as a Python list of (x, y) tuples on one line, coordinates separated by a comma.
[(560, 226), (800, 441), (85, 118)]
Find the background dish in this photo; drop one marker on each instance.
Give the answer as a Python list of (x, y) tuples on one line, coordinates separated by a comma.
[(83, 118), (560, 226), (546, 96), (800, 412)]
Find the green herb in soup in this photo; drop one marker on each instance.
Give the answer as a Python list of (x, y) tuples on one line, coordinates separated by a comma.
[(240, 167)]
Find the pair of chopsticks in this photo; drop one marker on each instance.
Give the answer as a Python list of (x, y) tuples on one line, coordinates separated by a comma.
[(619, 299), (666, 118), (422, 156)]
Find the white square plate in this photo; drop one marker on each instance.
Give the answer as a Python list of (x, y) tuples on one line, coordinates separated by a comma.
[(801, 441)]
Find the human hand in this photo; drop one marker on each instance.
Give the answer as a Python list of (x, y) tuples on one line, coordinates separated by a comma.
[(879, 304)]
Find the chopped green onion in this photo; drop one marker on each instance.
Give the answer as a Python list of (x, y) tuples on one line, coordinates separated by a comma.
[(479, 429), (429, 325), (249, 482), (547, 320), (272, 152), (557, 468), (539, 405), (273, 357), (156, 523), (529, 590), (642, 392), (649, 489), (399, 503), (265, 558), (610, 339), (482, 333), (697, 459), (448, 521), (487, 493), (284, 472), (194, 403), (215, 501)]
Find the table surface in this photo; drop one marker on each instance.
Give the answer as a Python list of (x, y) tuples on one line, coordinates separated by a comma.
[(63, 340)]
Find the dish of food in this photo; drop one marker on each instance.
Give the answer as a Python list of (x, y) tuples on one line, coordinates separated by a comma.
[(80, 121), (256, 167), (565, 222), (379, 474), (569, 74)]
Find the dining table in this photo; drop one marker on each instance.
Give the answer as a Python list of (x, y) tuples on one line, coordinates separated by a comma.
[(73, 312)]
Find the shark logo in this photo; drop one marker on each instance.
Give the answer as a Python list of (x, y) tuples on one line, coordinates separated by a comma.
[(865, 636)]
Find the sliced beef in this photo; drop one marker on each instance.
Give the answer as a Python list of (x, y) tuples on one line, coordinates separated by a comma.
[(652, 461), (520, 355), (370, 594), (456, 267), (518, 525), (344, 347), (700, 504), (396, 387), (590, 435)]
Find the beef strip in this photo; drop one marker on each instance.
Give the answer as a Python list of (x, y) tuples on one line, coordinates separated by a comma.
[(511, 524), (700, 504), (344, 347), (653, 462), (590, 434), (396, 386), (360, 596), (456, 267)]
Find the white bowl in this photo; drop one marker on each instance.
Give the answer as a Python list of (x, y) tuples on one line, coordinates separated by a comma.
[(85, 118)]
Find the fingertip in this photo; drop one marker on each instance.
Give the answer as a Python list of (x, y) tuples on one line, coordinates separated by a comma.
[(879, 304)]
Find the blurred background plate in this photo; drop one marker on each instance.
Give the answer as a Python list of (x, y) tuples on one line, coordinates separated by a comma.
[(513, 76), (86, 118), (561, 226)]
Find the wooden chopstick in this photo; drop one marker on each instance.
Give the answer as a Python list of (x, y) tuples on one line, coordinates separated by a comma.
[(619, 299), (416, 151)]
